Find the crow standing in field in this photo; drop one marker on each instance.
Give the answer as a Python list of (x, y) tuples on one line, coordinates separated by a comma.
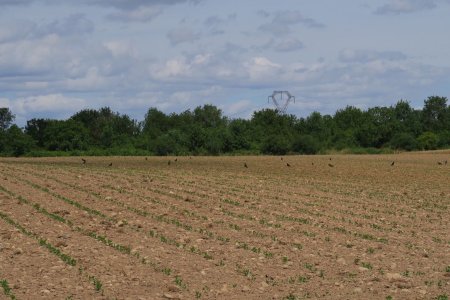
[(281, 158), (393, 163), (110, 165), (176, 159), (439, 163), (84, 161), (288, 165), (331, 165), (245, 165), (168, 163), (445, 162), (312, 164), (146, 158)]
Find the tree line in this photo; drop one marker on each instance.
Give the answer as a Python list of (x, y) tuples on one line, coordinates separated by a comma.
[(206, 131)]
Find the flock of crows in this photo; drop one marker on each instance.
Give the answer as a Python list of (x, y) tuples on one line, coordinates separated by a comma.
[(287, 164)]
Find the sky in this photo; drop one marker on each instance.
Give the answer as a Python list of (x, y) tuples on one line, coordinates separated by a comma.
[(58, 57)]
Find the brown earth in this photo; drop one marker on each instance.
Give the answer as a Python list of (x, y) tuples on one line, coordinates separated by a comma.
[(328, 227)]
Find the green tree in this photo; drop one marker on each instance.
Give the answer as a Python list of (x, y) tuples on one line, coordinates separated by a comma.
[(107, 128), (209, 116), (428, 141), (276, 145), (306, 144), (444, 139), (6, 118), (407, 119), (18, 143), (404, 141), (349, 122), (271, 131), (240, 135), (435, 114), (36, 129), (321, 127), (65, 136), (169, 143), (155, 123)]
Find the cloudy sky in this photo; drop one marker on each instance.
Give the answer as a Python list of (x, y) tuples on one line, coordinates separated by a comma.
[(60, 56)]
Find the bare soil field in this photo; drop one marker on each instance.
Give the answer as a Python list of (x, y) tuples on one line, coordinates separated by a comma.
[(293, 227)]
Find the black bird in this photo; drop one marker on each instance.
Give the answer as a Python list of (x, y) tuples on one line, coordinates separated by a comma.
[(312, 164), (245, 165), (84, 161), (288, 165), (330, 158), (281, 158), (330, 165), (176, 159), (445, 162), (110, 165), (392, 163), (168, 163), (146, 158), (439, 163)]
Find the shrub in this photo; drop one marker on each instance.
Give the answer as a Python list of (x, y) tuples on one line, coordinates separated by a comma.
[(306, 144), (428, 141), (403, 141)]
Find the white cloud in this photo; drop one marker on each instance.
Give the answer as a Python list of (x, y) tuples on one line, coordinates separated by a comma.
[(282, 21), (288, 45), (72, 25), (182, 34), (140, 14), (176, 67), (261, 68), (133, 4), (406, 6), (57, 105), (121, 48), (242, 108), (363, 56), (15, 2), (91, 81), (215, 24)]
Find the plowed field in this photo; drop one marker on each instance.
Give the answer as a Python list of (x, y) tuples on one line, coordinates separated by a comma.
[(297, 227)]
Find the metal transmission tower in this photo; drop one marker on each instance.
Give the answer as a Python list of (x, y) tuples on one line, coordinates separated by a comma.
[(281, 100)]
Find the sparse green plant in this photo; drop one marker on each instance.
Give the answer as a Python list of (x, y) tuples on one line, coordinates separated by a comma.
[(179, 282), (290, 297), (96, 282), (6, 289), (436, 239), (367, 265)]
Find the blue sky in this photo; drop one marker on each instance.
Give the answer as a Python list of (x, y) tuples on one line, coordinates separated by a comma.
[(58, 57)]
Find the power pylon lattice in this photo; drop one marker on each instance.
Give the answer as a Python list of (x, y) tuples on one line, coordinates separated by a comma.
[(281, 100)]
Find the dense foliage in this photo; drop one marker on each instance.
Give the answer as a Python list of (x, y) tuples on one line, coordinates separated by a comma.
[(205, 130)]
